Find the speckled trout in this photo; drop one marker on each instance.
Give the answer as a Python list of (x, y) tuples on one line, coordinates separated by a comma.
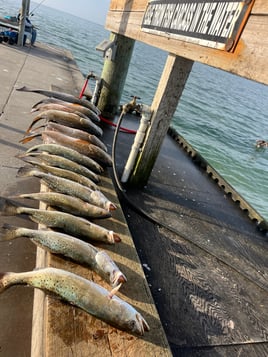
[(69, 119), (56, 171), (62, 96), (62, 185), (69, 187), (70, 247), (70, 224), (62, 162), (67, 203), (68, 153), (82, 293)]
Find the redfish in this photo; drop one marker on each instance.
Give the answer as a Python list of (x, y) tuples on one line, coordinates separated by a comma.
[(70, 247), (82, 293), (70, 224), (77, 134), (51, 103), (82, 146)]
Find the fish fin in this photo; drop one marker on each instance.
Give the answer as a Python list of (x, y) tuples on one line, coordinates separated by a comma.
[(36, 129), (8, 207), (35, 120), (8, 232), (114, 291), (40, 102)]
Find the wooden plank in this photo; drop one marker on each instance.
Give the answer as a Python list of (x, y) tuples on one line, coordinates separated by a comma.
[(126, 5), (259, 7), (248, 60)]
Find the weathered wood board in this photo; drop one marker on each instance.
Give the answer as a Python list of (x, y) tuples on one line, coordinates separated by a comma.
[(248, 60)]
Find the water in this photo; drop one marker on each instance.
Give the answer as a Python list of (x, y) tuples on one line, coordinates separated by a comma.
[(220, 114)]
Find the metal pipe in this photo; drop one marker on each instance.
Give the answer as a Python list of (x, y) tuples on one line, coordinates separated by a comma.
[(138, 141)]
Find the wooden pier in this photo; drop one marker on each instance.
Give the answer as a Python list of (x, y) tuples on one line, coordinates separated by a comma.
[(196, 262), (57, 328)]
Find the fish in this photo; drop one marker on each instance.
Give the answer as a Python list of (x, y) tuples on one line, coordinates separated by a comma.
[(57, 171), (70, 224), (68, 153), (61, 162), (60, 107), (82, 293), (67, 203), (75, 108), (67, 130), (77, 250), (68, 119), (82, 146), (77, 133), (62, 96), (62, 185)]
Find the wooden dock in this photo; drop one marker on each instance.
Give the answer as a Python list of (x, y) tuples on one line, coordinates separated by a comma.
[(59, 329), (192, 248)]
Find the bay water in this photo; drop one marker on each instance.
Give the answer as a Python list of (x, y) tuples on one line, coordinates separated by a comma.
[(221, 115)]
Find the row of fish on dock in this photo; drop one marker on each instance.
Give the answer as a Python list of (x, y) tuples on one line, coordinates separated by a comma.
[(69, 162)]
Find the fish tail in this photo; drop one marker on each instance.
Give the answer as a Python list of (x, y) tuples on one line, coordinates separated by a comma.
[(35, 120), (23, 89), (8, 232), (25, 171), (36, 105), (3, 284), (30, 137), (7, 207)]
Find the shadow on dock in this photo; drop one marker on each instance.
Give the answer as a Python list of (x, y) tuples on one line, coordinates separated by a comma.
[(204, 258)]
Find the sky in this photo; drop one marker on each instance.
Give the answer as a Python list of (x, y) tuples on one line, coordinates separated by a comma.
[(93, 10)]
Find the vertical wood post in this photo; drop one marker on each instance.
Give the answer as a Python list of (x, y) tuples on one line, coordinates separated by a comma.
[(170, 88), (114, 74), (25, 4)]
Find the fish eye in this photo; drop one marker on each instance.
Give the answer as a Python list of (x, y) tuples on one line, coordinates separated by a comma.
[(132, 324)]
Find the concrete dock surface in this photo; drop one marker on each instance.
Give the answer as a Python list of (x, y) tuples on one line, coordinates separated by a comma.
[(33, 323), (40, 67), (205, 261)]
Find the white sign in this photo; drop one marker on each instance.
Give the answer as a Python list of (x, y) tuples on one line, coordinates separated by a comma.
[(213, 23)]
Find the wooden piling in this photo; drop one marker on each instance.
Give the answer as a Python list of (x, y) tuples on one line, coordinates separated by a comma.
[(114, 75), (23, 13), (170, 88)]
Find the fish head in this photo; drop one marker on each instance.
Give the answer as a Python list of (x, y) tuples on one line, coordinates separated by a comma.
[(106, 264), (117, 278), (138, 325), (113, 237)]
